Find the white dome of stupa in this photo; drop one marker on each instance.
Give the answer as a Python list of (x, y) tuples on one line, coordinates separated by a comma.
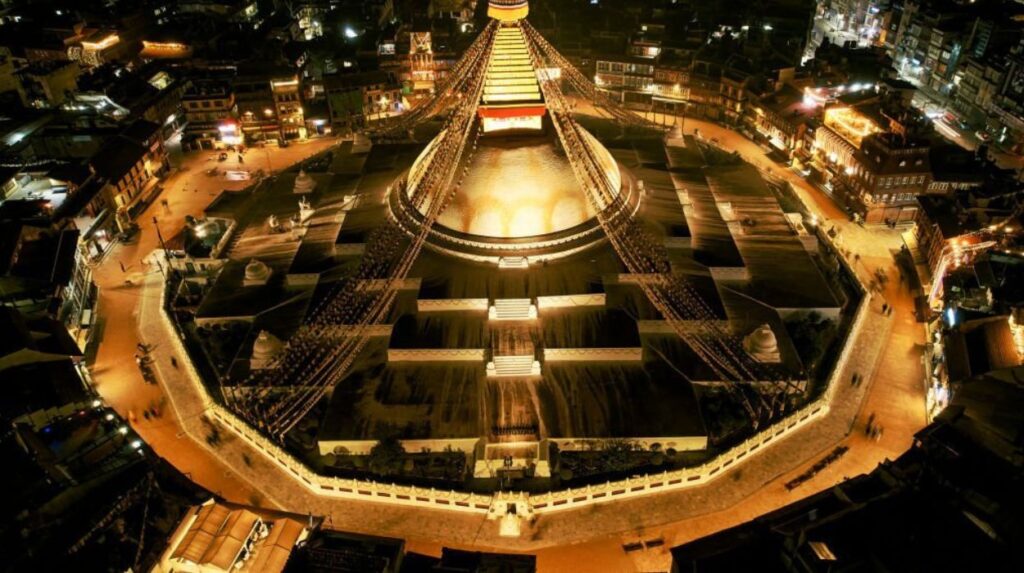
[(256, 272), (304, 183), (265, 349), (762, 344)]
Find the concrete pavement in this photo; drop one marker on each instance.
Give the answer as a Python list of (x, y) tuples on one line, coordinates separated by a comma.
[(187, 190)]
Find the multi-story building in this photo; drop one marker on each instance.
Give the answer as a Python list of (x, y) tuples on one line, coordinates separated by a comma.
[(47, 84), (354, 99), (953, 230), (863, 22), (210, 115), (269, 104), (783, 117), (980, 82), (874, 159), (888, 173), (288, 107), (629, 79), (130, 165), (8, 78)]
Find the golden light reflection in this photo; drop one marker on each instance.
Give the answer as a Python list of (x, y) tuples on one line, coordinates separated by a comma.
[(850, 124), (517, 186)]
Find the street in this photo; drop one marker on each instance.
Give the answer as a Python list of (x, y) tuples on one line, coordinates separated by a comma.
[(187, 190)]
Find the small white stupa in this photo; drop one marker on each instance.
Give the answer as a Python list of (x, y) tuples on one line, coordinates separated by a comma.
[(762, 345), (305, 211), (304, 183), (256, 273), (265, 349)]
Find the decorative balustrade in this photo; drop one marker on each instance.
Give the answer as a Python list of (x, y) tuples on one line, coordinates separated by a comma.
[(436, 354), (452, 304), (570, 301), (593, 354)]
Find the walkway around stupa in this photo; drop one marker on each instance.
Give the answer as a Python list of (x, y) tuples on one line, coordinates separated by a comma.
[(458, 518)]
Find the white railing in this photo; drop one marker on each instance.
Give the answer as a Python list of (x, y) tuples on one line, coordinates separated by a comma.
[(593, 354)]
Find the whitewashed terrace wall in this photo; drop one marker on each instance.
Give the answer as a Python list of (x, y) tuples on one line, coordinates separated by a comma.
[(436, 354), (452, 304), (593, 354)]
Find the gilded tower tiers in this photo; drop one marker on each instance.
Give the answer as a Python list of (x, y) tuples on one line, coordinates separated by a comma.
[(508, 10)]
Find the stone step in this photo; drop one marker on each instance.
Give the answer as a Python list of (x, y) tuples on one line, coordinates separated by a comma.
[(512, 309), (524, 365), (513, 263)]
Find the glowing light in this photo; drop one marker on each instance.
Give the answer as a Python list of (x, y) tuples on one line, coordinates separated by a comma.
[(123, 430), (103, 44), (164, 46), (850, 124), (350, 33)]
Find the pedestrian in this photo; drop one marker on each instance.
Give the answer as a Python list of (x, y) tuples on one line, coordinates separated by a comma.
[(885, 308), (174, 362), (878, 437), (122, 266)]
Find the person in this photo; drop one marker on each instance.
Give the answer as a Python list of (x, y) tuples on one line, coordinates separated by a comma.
[(174, 362)]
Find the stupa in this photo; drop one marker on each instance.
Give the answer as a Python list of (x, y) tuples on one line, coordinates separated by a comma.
[(256, 273), (762, 345), (265, 349), (520, 193), (304, 183)]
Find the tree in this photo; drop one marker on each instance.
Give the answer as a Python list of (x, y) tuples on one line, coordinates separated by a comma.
[(811, 335), (386, 456)]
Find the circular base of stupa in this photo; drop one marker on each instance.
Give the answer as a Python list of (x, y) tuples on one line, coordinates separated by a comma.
[(519, 198)]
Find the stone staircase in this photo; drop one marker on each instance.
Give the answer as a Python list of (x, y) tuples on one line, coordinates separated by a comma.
[(519, 366), (512, 309), (513, 263)]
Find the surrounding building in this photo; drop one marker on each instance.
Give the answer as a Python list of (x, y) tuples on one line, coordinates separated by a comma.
[(218, 537), (354, 99), (130, 165), (47, 85), (211, 115)]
